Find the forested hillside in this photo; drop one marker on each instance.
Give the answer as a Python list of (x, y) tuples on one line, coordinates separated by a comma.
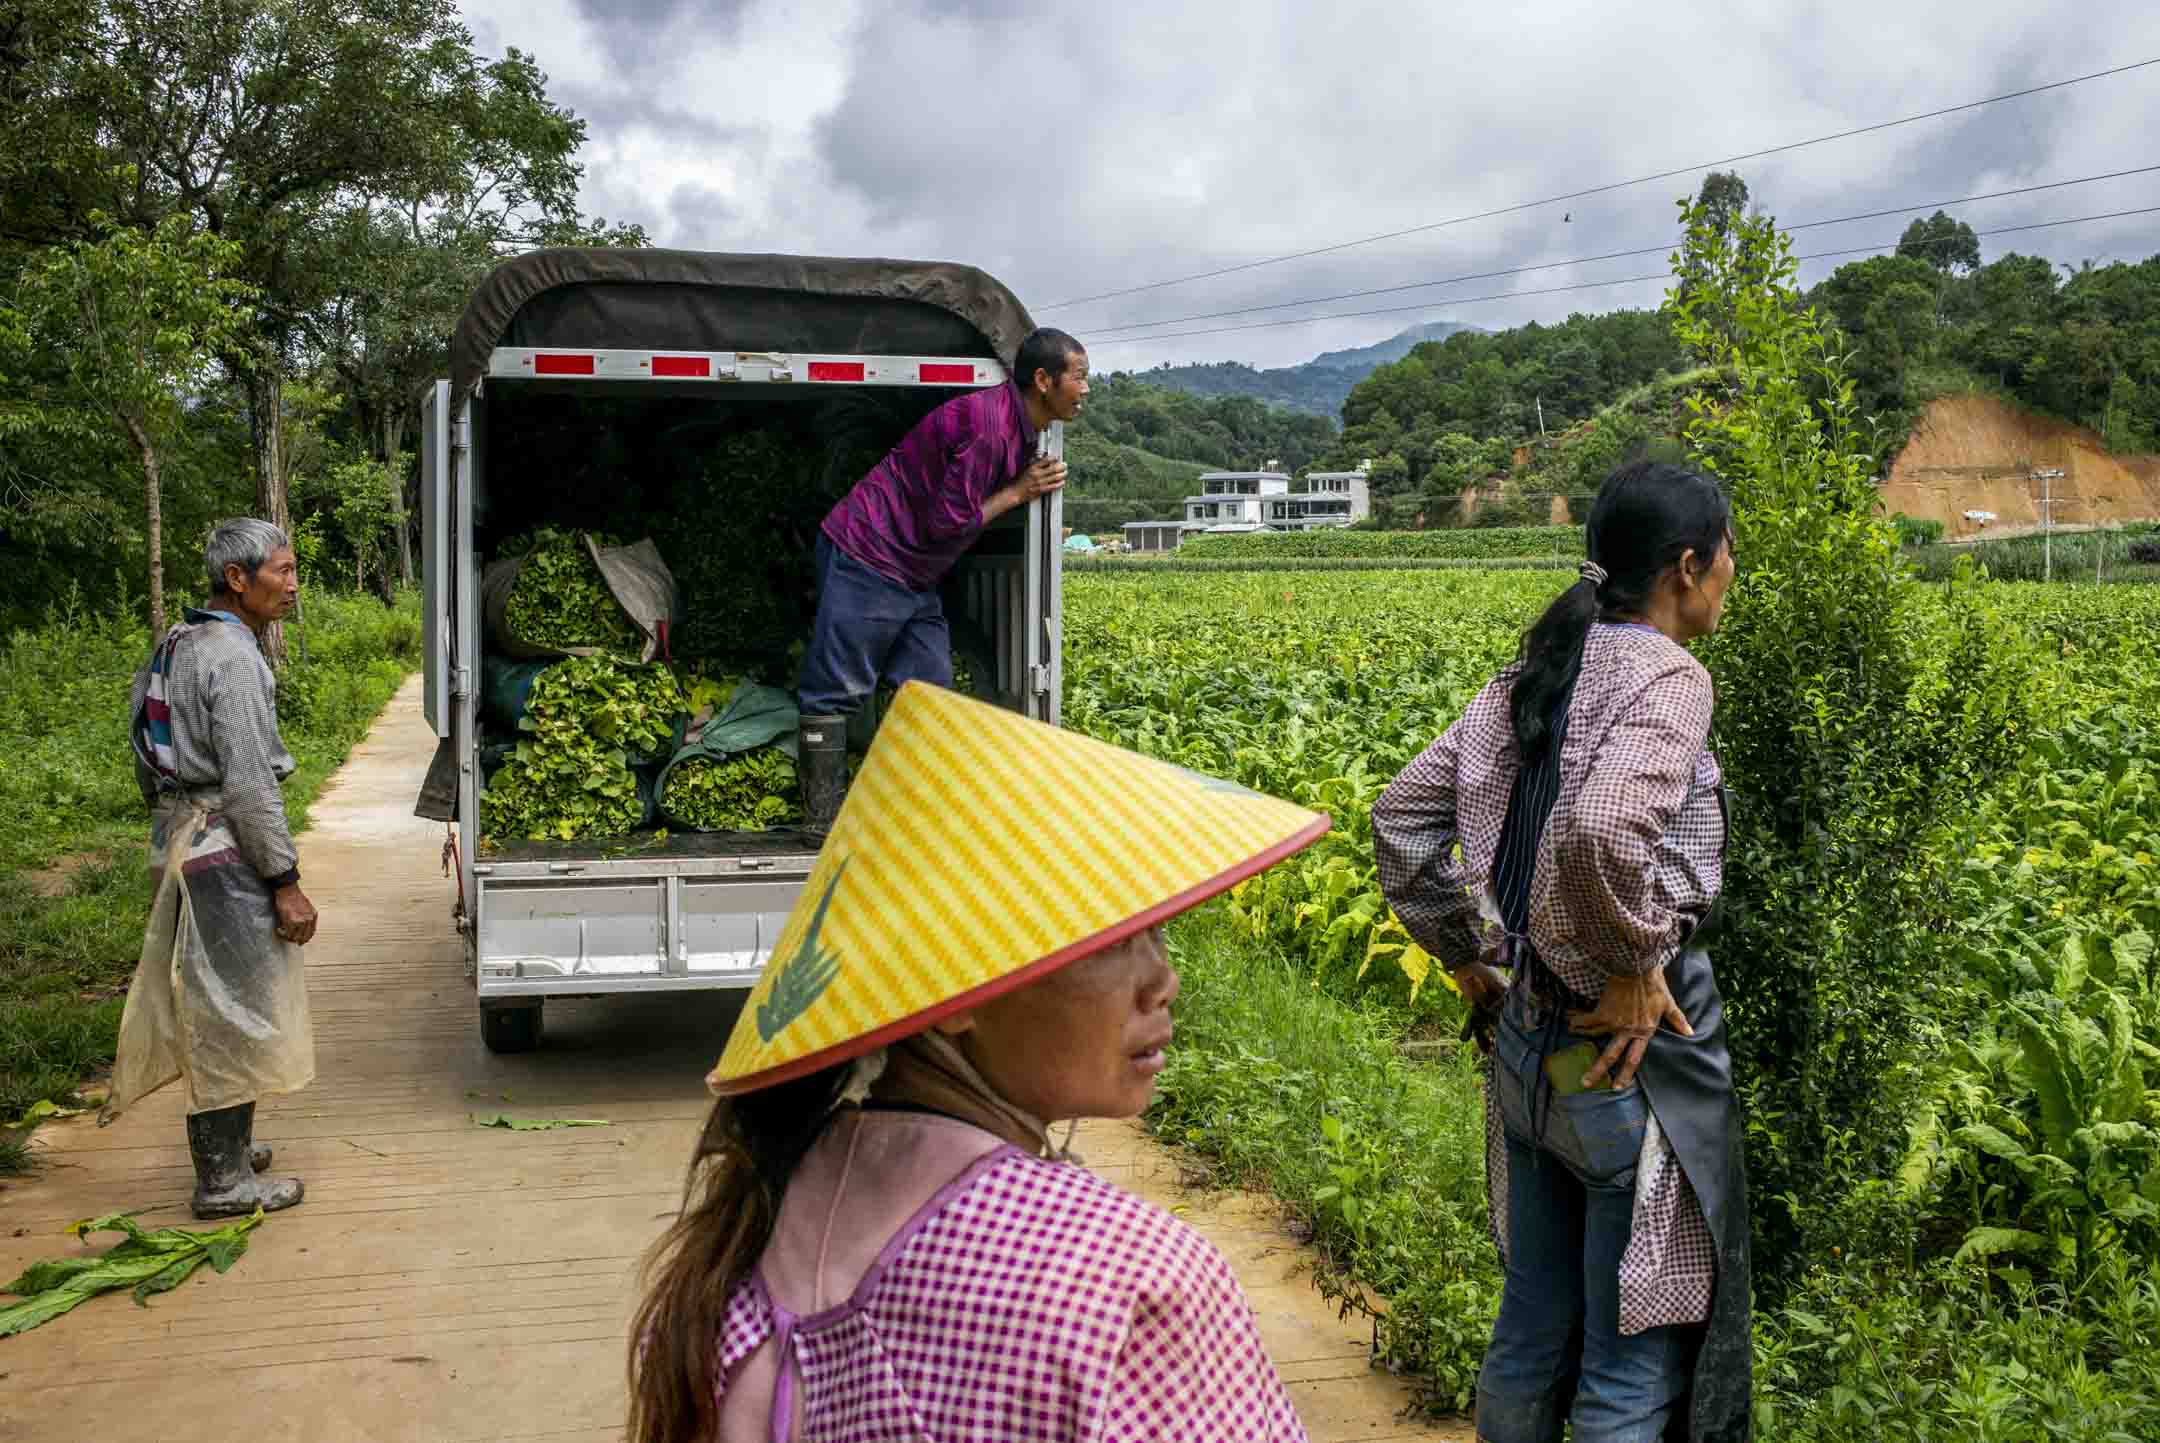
[(1137, 448), (2081, 345)]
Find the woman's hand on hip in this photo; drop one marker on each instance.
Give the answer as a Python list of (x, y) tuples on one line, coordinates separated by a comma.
[(1629, 1010), (1480, 984)]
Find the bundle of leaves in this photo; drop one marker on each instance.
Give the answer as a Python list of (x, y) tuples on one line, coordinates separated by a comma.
[(747, 792), (741, 539), (562, 790), (146, 1262), (624, 704), (588, 720), (561, 600)]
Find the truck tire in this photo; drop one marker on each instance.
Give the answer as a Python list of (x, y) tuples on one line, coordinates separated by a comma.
[(510, 1029)]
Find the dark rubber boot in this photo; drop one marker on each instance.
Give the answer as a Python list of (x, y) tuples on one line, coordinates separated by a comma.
[(821, 762), (225, 1181), (259, 1153)]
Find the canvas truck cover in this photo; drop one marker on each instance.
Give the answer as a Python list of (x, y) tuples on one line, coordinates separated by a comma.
[(707, 301)]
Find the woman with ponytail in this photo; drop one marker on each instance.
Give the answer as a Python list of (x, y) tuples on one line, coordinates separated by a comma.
[(1560, 850), (881, 1244)]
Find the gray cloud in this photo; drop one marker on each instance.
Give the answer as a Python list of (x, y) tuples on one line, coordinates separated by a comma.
[(1070, 153)]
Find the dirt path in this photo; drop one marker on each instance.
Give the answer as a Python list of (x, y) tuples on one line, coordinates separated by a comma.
[(445, 1283)]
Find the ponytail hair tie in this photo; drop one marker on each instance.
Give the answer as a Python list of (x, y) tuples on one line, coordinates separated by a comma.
[(1591, 572)]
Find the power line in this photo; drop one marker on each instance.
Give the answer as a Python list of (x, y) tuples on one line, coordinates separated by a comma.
[(1601, 189), (1587, 285), (1608, 255)]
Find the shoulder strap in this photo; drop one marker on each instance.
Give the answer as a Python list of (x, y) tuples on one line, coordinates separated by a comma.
[(150, 731)]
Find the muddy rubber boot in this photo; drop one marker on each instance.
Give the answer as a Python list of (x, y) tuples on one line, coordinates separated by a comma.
[(821, 763), (225, 1181), (259, 1153)]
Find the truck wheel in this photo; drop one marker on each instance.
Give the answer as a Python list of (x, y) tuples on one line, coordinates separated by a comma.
[(510, 1029)]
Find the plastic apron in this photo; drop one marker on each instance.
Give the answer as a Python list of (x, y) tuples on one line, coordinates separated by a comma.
[(218, 1000)]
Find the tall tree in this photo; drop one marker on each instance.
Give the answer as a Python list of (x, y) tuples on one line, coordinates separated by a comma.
[(263, 118), (138, 318), (1943, 241)]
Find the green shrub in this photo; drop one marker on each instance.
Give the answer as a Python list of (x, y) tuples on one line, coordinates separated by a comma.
[(1916, 530), (1859, 718)]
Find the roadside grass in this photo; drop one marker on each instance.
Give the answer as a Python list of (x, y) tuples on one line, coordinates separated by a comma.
[(1288, 1088), (73, 893)]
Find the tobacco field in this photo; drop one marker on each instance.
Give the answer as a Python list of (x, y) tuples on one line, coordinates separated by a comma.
[(1996, 1278)]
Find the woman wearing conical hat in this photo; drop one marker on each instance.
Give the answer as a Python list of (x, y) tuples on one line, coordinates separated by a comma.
[(880, 1241)]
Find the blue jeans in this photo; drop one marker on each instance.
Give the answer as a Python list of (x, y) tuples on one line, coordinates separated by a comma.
[(869, 629), (1557, 1354)]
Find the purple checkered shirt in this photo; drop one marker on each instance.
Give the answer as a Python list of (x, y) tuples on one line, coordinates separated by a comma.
[(920, 508), (1631, 860), (1026, 1298)]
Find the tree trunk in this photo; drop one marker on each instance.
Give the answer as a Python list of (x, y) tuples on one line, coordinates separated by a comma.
[(266, 418), (152, 495), (393, 439)]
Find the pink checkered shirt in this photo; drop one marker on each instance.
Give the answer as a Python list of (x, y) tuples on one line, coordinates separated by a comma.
[(1630, 862), (1026, 1299)]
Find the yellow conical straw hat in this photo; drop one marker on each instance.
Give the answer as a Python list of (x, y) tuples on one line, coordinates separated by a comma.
[(978, 850)]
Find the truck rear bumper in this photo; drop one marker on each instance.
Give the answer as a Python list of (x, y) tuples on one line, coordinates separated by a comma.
[(654, 924)]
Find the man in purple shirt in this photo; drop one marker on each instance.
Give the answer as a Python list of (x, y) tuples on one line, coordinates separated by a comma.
[(885, 547)]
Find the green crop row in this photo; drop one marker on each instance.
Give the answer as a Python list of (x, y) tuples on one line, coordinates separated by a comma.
[(1999, 1280), (1489, 541)]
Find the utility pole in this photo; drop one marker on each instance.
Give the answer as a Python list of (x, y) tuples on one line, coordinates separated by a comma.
[(1541, 416), (2046, 476)]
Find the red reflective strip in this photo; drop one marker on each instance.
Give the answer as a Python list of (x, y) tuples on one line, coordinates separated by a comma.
[(563, 365), (682, 365), (946, 374), (836, 371)]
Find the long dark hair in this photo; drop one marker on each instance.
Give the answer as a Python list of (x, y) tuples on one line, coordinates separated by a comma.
[(1646, 514), (749, 1149)]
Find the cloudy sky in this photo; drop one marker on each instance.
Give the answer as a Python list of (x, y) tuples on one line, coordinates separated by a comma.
[(1075, 149)]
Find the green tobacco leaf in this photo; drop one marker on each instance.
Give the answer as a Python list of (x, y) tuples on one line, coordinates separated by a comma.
[(1992, 1242), (42, 1110), (44, 1276), (145, 1262), (171, 1276), (36, 1312), (2133, 948), (536, 1124), (2046, 1066), (1995, 1141)]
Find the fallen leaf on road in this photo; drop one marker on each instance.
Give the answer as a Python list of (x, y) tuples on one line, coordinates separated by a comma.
[(40, 1111), (536, 1124), (147, 1261)]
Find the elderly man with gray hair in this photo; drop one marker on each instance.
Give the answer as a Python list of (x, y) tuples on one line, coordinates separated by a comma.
[(219, 1000)]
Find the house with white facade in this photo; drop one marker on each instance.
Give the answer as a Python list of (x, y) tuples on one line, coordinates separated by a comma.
[(1324, 498), (1231, 501)]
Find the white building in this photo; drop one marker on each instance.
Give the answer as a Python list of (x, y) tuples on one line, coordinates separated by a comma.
[(1328, 498), (1230, 501)]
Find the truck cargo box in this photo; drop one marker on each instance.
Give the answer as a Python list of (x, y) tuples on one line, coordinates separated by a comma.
[(584, 386)]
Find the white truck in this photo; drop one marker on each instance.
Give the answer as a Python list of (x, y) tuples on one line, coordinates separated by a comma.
[(568, 369)]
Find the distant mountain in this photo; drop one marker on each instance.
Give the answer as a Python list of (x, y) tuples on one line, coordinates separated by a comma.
[(1367, 359), (1318, 387)]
